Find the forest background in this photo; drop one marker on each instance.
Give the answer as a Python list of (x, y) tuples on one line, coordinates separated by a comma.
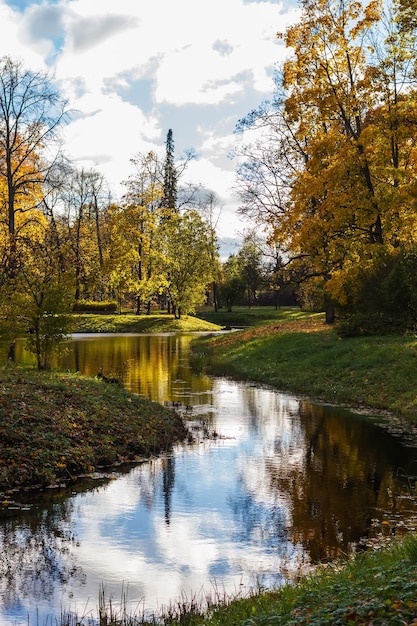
[(329, 179)]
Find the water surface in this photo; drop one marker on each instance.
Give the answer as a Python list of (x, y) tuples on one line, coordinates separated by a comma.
[(278, 485)]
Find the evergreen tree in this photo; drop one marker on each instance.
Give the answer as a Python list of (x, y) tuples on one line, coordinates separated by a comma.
[(169, 200)]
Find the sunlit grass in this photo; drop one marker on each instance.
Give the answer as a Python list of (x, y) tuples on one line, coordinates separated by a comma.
[(242, 316), (90, 323), (305, 356)]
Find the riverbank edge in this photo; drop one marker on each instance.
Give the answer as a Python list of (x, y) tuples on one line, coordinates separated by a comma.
[(371, 588), (374, 376), (57, 426)]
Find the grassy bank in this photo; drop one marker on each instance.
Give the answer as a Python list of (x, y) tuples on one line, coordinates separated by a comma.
[(127, 323), (55, 426), (374, 589), (299, 353)]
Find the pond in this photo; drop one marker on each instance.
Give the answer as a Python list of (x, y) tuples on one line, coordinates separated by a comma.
[(277, 485)]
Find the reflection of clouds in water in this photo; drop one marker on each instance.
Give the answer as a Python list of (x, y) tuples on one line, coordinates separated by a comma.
[(208, 535), (205, 536), (218, 514)]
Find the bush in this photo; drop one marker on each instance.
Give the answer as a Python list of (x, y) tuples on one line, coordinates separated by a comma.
[(90, 306), (362, 324), (381, 296)]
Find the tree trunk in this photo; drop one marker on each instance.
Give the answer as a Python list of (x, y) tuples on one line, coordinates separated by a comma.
[(330, 314)]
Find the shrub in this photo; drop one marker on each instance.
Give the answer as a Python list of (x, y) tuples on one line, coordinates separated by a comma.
[(381, 296), (90, 306)]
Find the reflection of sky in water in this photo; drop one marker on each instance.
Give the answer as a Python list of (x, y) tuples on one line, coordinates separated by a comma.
[(221, 515), (183, 524)]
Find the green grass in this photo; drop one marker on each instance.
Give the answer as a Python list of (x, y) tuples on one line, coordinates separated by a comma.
[(373, 588), (304, 356), (243, 316), (55, 426), (128, 323)]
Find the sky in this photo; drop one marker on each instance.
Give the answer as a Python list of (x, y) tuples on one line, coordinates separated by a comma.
[(133, 69)]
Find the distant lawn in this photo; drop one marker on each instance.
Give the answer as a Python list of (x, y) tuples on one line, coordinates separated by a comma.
[(242, 316), (128, 323), (206, 320)]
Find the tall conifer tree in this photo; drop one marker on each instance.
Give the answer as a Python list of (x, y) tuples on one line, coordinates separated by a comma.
[(169, 200)]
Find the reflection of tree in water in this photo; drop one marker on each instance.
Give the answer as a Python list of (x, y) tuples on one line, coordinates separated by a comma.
[(36, 552), (266, 526), (344, 480), (158, 475), (168, 480)]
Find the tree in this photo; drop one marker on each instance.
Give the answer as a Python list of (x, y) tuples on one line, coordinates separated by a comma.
[(175, 197), (31, 112), (188, 261), (169, 199), (44, 298), (266, 166), (210, 208), (232, 285), (346, 136), (142, 215), (252, 270), (84, 200)]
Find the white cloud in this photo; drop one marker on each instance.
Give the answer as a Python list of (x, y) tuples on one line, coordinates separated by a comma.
[(135, 69)]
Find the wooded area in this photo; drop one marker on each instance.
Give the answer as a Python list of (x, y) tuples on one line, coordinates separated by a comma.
[(329, 179), (332, 170)]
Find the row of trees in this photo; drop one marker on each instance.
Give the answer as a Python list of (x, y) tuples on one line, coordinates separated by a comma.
[(63, 239), (332, 171)]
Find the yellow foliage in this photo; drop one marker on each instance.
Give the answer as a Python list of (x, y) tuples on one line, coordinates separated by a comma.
[(355, 183)]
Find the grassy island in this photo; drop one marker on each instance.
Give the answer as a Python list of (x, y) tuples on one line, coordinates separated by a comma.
[(56, 426)]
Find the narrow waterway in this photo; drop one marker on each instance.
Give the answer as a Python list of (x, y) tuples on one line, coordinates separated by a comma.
[(276, 485)]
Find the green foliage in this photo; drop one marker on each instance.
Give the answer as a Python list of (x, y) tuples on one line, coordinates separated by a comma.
[(232, 286), (45, 297), (90, 306), (188, 260), (381, 295), (170, 175), (251, 266)]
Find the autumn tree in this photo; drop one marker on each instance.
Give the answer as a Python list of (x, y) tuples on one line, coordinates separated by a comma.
[(84, 202), (188, 261), (45, 297), (139, 217), (344, 123), (31, 113)]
